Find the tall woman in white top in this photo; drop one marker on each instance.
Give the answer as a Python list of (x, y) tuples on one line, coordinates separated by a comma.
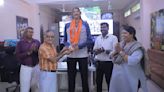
[(128, 62)]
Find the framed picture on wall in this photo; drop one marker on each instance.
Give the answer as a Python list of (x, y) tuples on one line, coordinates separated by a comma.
[(157, 30), (21, 24)]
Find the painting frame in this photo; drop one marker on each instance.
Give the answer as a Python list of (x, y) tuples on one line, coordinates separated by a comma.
[(157, 30), (21, 24)]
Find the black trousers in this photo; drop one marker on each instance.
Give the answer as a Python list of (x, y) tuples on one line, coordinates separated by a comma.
[(103, 67), (83, 68)]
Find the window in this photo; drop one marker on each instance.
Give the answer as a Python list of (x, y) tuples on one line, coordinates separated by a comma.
[(127, 13), (131, 10), (135, 7)]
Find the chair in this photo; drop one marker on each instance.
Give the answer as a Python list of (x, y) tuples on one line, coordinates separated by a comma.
[(10, 68)]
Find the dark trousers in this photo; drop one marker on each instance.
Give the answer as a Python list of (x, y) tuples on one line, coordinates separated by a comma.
[(103, 67), (83, 68)]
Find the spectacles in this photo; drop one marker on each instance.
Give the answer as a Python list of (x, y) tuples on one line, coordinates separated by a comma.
[(50, 36)]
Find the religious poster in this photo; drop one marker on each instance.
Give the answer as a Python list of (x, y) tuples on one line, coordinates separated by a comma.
[(157, 30), (21, 24)]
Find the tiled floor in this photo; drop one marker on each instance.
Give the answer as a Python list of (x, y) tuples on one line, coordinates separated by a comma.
[(4, 85), (151, 86)]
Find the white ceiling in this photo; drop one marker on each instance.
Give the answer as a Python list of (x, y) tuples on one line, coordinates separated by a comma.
[(67, 5)]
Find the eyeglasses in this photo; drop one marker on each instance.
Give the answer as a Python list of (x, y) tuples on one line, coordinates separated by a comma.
[(50, 36)]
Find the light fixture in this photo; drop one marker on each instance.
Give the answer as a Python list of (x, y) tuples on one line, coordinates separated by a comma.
[(1, 2), (109, 5), (63, 7)]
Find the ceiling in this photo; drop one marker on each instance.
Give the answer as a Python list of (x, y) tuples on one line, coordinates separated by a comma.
[(67, 5)]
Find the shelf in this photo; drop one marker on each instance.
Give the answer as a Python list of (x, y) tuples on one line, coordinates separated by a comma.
[(156, 59)]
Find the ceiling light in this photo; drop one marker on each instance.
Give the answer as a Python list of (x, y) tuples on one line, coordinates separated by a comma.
[(1, 2), (109, 5)]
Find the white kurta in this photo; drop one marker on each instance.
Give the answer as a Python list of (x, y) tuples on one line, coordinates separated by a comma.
[(125, 76)]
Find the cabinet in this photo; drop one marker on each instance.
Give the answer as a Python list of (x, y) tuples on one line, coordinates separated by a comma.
[(156, 59)]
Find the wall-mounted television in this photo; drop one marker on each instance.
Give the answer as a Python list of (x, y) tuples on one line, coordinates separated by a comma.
[(90, 13)]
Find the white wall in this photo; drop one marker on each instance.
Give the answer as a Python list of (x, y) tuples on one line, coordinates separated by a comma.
[(47, 16), (8, 13), (148, 7), (134, 20)]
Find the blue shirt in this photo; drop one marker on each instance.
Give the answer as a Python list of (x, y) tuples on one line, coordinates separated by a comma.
[(85, 40)]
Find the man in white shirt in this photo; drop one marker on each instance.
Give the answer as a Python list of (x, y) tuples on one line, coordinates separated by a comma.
[(103, 48)]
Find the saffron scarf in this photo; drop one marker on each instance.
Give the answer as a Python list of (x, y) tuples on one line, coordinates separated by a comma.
[(75, 34)]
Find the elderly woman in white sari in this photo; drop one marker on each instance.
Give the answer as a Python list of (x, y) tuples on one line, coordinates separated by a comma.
[(128, 62)]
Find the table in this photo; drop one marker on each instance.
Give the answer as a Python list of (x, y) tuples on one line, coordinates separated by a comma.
[(62, 69)]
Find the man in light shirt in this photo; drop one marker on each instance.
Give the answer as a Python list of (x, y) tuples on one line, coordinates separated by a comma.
[(103, 48), (48, 58)]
